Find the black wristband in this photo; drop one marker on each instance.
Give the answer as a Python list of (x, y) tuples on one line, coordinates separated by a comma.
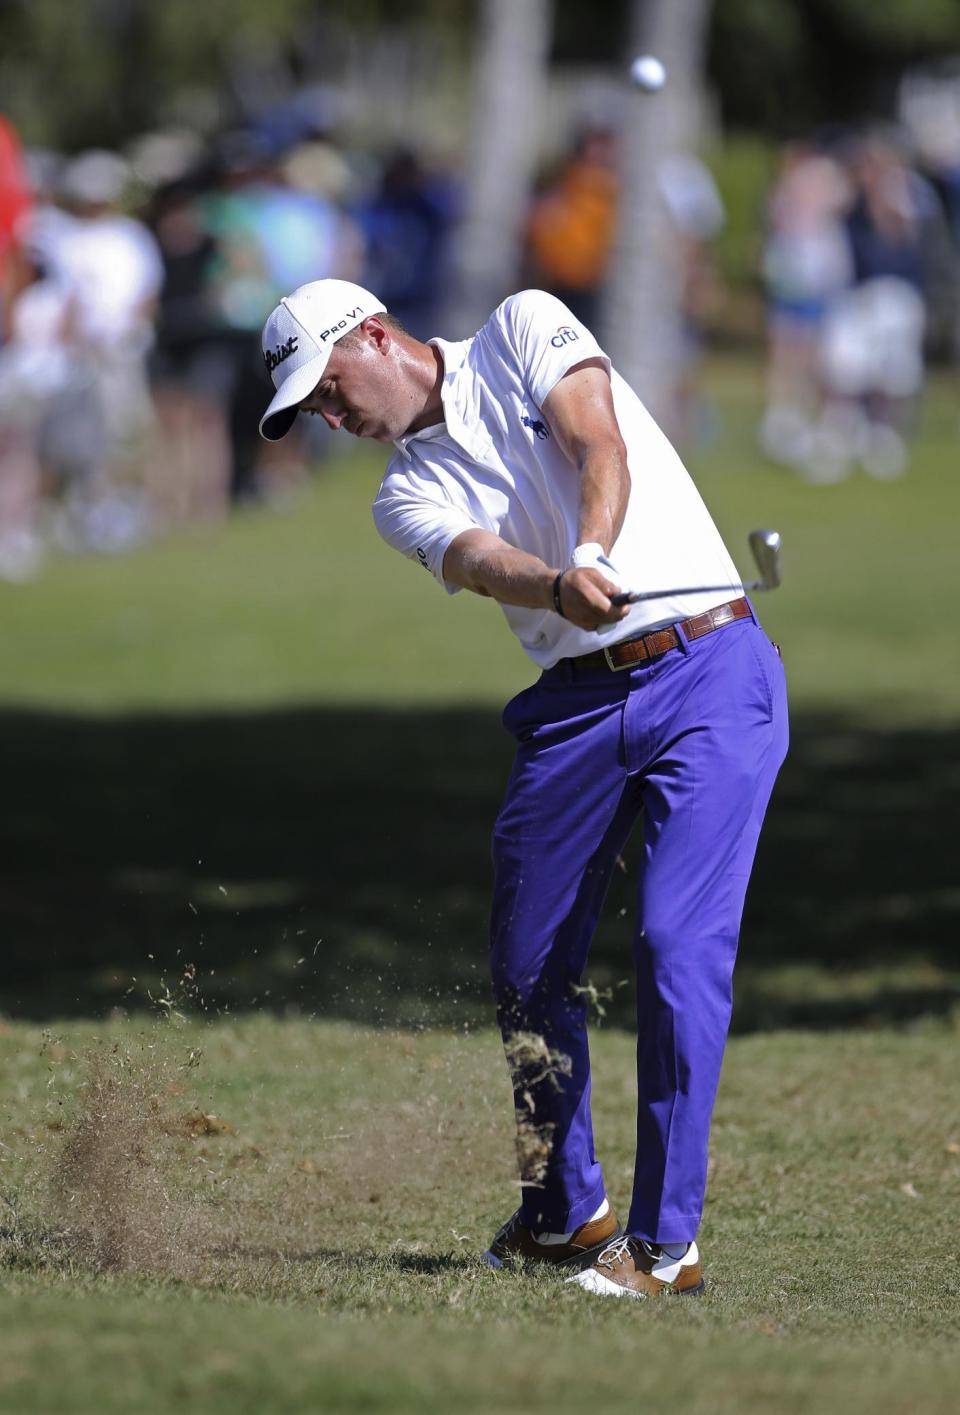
[(556, 596)]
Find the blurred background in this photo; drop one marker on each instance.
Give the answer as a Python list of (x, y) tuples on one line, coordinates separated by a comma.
[(249, 757)]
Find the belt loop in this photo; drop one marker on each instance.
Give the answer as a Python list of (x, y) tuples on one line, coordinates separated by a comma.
[(683, 643), (753, 612)]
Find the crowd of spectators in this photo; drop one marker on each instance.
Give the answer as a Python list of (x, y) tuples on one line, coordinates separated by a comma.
[(133, 289), (132, 294)]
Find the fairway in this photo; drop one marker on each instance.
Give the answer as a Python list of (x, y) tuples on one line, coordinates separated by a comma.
[(308, 606), (256, 1123)]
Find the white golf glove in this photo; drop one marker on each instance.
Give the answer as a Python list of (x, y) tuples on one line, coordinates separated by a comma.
[(591, 555)]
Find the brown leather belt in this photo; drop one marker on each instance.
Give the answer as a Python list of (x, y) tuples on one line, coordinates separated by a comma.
[(638, 650)]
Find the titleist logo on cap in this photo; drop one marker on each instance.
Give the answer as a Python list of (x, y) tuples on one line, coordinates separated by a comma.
[(273, 357)]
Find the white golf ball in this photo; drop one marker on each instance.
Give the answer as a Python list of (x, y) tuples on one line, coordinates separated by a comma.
[(648, 73)]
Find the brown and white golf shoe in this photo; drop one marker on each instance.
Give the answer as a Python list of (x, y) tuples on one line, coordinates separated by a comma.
[(516, 1243), (629, 1267)]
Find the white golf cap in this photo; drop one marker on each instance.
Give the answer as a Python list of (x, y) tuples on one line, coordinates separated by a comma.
[(298, 337)]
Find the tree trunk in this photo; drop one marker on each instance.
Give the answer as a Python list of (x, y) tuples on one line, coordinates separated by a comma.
[(510, 78), (643, 317)]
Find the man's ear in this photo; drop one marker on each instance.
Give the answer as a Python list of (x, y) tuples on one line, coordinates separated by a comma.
[(377, 332)]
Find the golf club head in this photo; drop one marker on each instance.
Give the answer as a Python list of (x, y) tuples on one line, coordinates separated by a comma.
[(765, 548)]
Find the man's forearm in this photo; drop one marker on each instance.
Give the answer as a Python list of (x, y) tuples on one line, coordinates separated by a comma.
[(482, 562), (488, 566), (604, 493)]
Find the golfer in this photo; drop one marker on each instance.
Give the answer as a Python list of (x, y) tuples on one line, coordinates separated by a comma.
[(526, 470)]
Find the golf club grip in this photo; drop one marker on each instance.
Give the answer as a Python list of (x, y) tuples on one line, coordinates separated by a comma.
[(627, 598)]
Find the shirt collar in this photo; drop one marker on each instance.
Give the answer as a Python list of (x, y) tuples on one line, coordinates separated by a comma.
[(453, 394)]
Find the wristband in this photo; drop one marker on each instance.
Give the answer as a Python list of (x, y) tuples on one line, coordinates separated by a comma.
[(556, 596), (587, 554)]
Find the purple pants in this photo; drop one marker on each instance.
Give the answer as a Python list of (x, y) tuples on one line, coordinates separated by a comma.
[(693, 740)]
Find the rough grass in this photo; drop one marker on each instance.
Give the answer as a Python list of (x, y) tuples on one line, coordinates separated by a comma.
[(319, 1192)]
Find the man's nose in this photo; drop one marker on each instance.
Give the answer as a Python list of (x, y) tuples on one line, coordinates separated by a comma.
[(332, 420)]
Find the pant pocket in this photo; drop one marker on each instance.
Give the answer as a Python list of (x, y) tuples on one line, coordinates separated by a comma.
[(519, 715), (760, 653)]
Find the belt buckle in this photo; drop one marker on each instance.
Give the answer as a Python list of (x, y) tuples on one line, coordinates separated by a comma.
[(618, 667)]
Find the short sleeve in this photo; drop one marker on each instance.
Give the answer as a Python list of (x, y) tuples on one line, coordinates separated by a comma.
[(415, 516), (547, 340)]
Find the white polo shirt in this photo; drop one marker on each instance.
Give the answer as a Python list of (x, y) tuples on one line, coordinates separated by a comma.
[(494, 465)]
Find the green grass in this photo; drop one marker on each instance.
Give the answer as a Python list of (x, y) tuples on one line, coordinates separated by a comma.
[(272, 754), (320, 1253), (281, 744), (312, 606)]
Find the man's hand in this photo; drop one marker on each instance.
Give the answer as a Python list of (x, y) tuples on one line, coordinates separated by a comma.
[(585, 599)]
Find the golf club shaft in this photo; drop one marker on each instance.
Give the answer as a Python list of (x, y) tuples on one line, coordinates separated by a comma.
[(628, 598)]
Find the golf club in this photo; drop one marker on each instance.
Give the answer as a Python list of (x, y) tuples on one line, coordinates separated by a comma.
[(765, 547)]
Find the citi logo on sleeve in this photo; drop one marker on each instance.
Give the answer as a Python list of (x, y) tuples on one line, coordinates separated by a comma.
[(539, 429), (274, 357), (564, 335)]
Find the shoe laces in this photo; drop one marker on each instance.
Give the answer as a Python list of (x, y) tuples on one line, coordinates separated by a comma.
[(615, 1252), (620, 1248)]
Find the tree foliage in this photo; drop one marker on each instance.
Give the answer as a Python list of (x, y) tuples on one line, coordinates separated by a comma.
[(76, 72), (898, 24), (785, 65), (101, 71)]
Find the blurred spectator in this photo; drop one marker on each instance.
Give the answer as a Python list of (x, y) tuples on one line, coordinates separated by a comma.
[(271, 236), (570, 236), (572, 225), (191, 365), (302, 230), (318, 169), (929, 109), (407, 225), (28, 367), (112, 267), (18, 552), (51, 425), (697, 216), (14, 204), (74, 402), (873, 347), (806, 264)]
